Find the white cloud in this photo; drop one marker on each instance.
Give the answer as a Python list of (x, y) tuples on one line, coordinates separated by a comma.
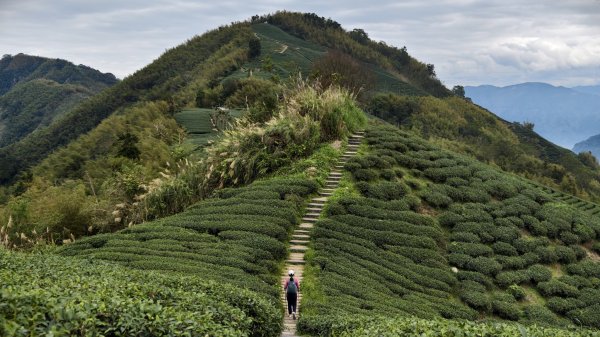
[(469, 41)]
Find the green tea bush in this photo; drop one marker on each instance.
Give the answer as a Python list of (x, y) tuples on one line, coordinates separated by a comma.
[(484, 280), (384, 190), (557, 288), (539, 314), (44, 294), (586, 268), (538, 273), (484, 265), (503, 248), (464, 237), (476, 300), (506, 310), (472, 249), (507, 278), (517, 292)]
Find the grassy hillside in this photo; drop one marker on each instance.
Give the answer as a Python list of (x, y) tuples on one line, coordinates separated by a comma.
[(411, 212)]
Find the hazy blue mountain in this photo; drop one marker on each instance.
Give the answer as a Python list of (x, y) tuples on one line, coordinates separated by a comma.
[(588, 89), (591, 144), (563, 115)]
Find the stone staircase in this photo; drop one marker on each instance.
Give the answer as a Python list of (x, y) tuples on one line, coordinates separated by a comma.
[(302, 233)]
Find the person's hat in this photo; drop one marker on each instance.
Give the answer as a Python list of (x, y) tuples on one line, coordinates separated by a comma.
[(291, 272)]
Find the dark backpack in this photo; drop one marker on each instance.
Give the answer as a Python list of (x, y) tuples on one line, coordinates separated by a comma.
[(291, 288)]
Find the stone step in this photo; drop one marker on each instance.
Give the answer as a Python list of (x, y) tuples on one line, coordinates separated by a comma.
[(327, 189), (301, 237), (352, 153), (312, 215), (325, 194), (341, 167), (299, 242), (298, 248), (315, 209), (309, 220), (314, 204), (306, 225), (319, 200), (332, 186), (335, 173), (295, 262), (331, 180), (301, 231)]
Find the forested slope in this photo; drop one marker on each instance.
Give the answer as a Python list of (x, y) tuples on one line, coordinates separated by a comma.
[(36, 90)]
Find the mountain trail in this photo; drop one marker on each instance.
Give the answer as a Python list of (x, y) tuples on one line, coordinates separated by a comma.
[(302, 233)]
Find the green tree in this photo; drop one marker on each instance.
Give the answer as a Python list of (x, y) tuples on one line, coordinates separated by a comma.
[(254, 48), (127, 143), (459, 90)]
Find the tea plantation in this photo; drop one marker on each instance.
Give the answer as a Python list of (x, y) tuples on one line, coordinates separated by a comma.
[(423, 232), (237, 238), (198, 125), (48, 295)]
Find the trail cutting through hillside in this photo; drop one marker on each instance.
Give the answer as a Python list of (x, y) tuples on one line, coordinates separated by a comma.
[(302, 234)]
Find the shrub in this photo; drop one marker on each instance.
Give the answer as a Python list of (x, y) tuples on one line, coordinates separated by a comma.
[(584, 232), (472, 249), (557, 288), (517, 292), (503, 248), (540, 314), (589, 316), (464, 275), (507, 278), (569, 238), (436, 198), (539, 273), (513, 262), (506, 310), (484, 265), (565, 255), (586, 268), (464, 237), (384, 190), (365, 174), (563, 305), (476, 300)]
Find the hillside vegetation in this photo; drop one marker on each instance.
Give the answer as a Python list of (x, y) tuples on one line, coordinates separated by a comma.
[(237, 238), (411, 212), (34, 91)]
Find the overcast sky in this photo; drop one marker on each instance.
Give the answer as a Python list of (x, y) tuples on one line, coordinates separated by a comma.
[(470, 42)]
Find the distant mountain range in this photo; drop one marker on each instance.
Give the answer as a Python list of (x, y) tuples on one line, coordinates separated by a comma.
[(35, 90), (563, 115)]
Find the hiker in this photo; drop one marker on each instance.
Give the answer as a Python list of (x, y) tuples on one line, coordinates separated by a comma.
[(291, 288)]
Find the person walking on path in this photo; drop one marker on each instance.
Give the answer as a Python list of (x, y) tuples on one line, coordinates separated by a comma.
[(291, 288)]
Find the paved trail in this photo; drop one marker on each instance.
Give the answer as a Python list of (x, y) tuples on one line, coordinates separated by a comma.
[(301, 236)]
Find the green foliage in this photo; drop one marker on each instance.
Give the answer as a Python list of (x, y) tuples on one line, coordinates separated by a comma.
[(44, 294), (370, 325)]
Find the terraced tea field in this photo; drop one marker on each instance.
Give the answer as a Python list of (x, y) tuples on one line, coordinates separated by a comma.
[(421, 231), (198, 126)]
